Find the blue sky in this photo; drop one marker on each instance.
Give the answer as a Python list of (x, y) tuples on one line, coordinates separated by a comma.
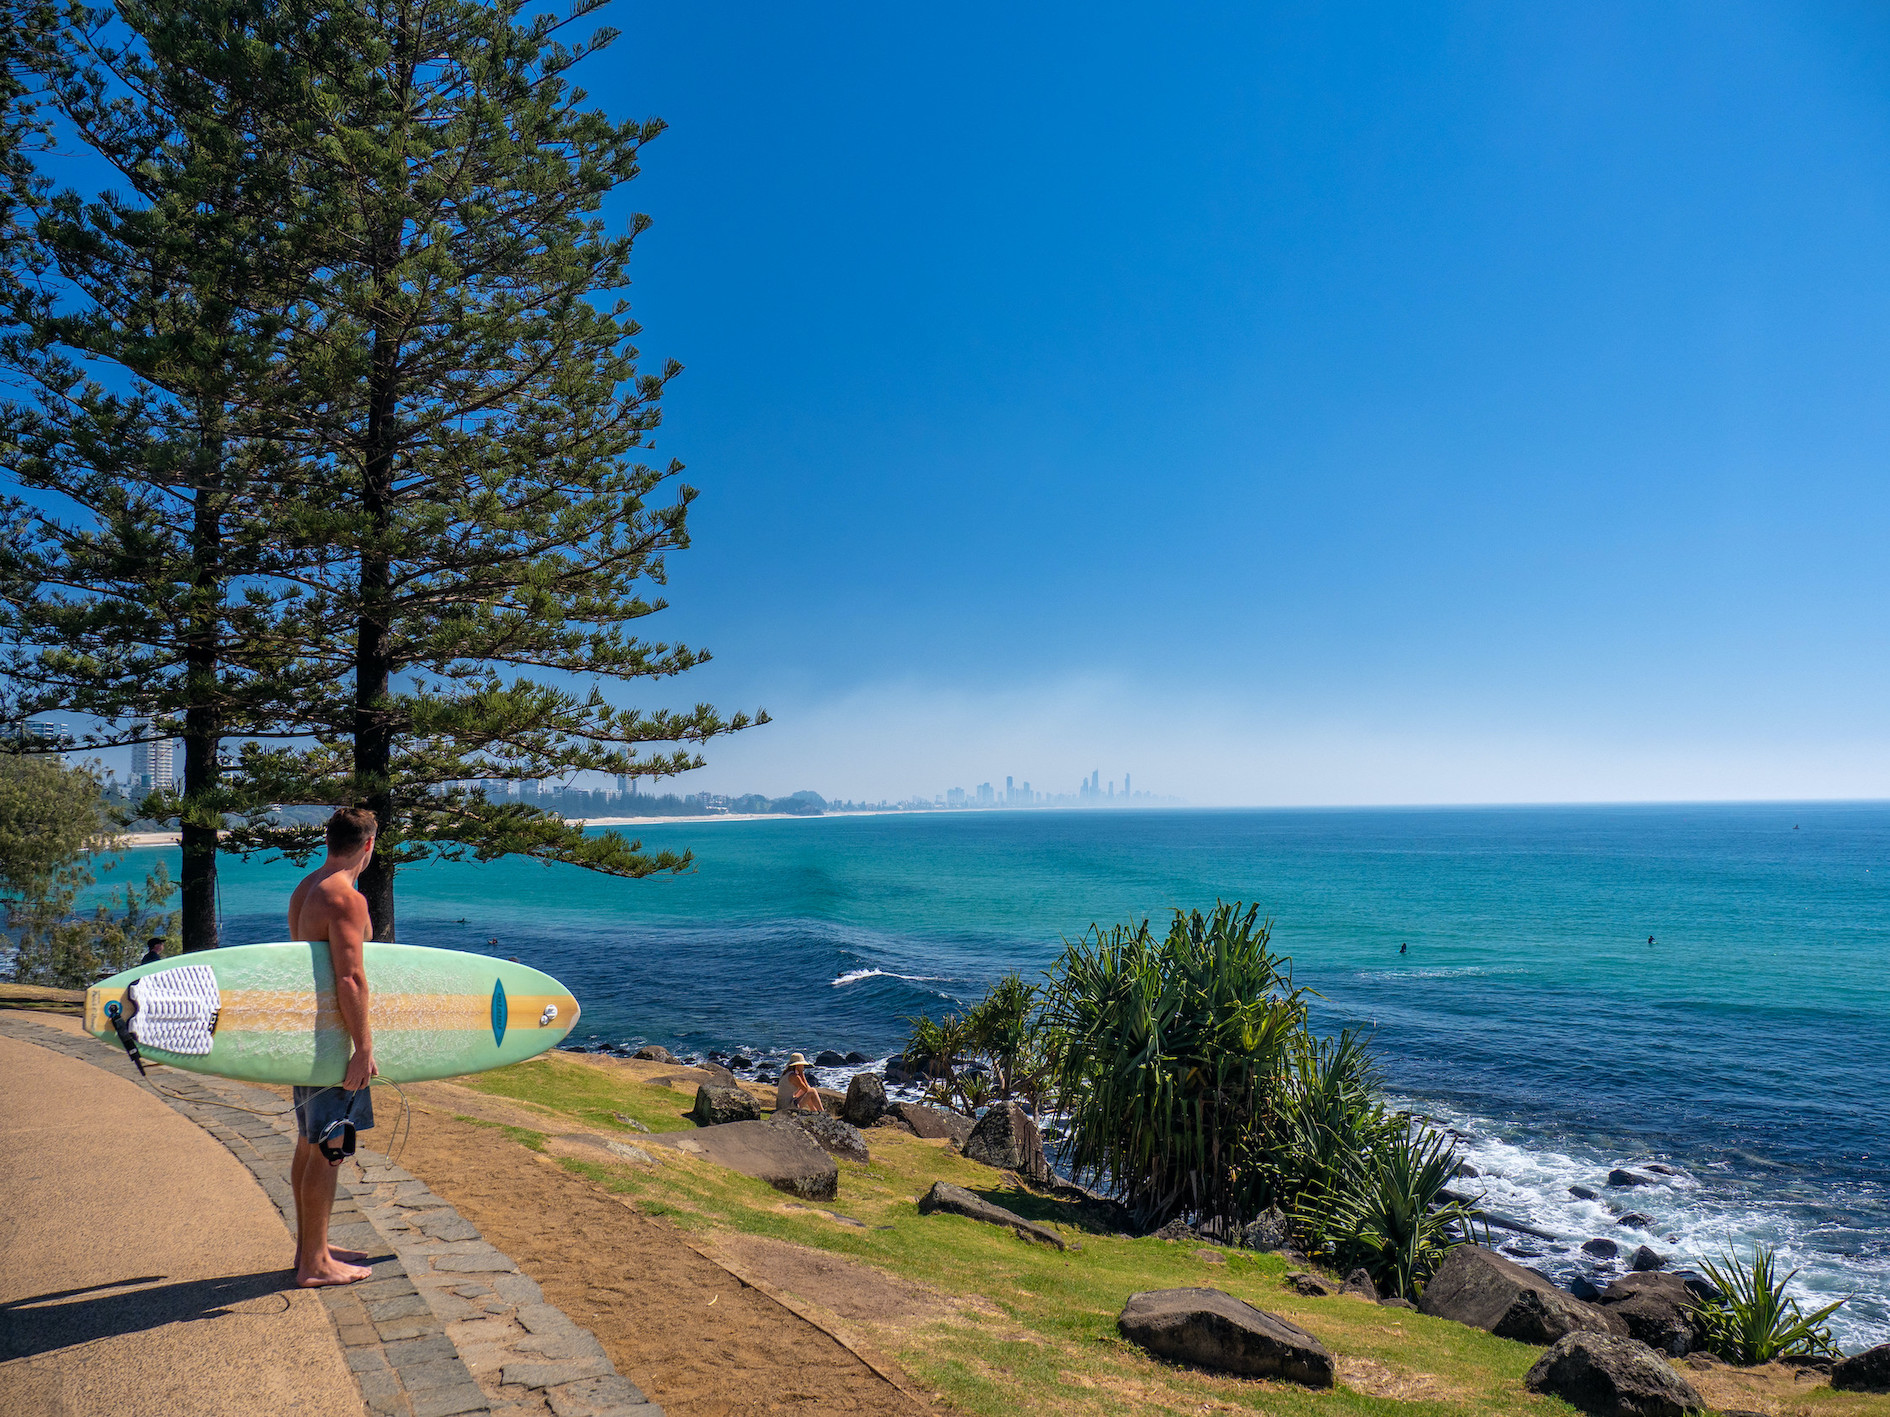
[(1415, 403), (1342, 404)]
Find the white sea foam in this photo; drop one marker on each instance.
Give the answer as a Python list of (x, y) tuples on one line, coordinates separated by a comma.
[(854, 976)]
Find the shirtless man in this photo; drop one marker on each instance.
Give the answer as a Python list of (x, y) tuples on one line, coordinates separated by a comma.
[(326, 908)]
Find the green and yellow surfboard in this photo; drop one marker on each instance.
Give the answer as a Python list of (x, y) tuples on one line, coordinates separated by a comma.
[(267, 1013)]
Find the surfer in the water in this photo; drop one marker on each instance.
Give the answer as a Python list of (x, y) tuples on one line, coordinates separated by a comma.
[(327, 909)]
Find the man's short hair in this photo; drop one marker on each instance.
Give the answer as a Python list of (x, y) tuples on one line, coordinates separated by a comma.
[(349, 828)]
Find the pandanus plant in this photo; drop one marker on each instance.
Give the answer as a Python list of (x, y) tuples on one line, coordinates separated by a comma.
[(1164, 1054), (1753, 1320)]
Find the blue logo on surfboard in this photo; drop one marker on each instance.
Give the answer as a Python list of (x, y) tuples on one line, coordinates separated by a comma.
[(498, 1012)]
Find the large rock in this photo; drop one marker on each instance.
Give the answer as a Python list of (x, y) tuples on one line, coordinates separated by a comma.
[(832, 1135), (934, 1123), (1359, 1283), (655, 1053), (1214, 1330), (1608, 1376), (1659, 1309), (1477, 1286), (1868, 1371), (1620, 1176), (1601, 1249), (1006, 1138), (1271, 1231), (787, 1158), (956, 1200), (1648, 1258), (829, 1058), (718, 1105), (866, 1099)]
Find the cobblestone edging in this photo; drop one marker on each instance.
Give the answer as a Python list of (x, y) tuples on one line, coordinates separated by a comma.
[(445, 1326)]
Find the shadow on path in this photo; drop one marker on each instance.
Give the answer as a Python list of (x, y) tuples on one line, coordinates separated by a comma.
[(41, 1323)]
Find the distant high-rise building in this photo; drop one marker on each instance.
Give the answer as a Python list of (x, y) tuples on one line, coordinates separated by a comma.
[(1125, 784), (623, 785), (527, 789), (954, 797), (986, 797), (154, 762)]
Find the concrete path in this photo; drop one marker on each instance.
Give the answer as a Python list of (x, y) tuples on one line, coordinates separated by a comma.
[(142, 1270)]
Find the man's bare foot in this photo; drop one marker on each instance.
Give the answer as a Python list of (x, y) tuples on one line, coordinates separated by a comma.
[(341, 1256), (332, 1272)]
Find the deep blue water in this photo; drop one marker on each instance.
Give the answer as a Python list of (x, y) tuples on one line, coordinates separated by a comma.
[(1749, 1046)]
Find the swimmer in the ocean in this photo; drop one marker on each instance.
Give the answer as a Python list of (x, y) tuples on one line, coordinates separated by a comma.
[(1650, 939), (1402, 949)]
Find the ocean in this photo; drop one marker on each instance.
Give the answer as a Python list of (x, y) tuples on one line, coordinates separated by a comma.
[(1747, 1046)]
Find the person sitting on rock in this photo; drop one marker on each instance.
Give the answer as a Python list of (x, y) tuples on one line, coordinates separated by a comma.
[(796, 1093)]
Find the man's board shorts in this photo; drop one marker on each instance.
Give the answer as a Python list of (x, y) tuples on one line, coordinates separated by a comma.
[(317, 1108)]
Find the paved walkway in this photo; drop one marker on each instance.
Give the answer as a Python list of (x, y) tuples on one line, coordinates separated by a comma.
[(447, 1325), (141, 1270)]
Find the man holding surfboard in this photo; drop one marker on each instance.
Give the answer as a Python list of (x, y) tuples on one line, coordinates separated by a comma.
[(326, 907)]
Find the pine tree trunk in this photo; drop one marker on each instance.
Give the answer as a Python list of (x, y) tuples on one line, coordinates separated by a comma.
[(373, 665), (201, 727)]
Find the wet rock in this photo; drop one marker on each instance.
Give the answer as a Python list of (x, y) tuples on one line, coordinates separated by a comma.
[(1465, 1169), (901, 1069), (1007, 1138), (1207, 1328), (1661, 1310), (650, 1052), (1583, 1288), (1477, 1286), (956, 1200), (1646, 1258), (716, 1105), (736, 1060), (1868, 1371), (1583, 1193), (1359, 1284), (855, 1058), (1270, 1231), (1601, 1249), (1660, 1170), (1636, 1220), (866, 1100), (1622, 1177), (934, 1123), (828, 1058), (1608, 1376)]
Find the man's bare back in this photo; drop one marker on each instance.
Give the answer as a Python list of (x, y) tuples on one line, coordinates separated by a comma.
[(327, 898)]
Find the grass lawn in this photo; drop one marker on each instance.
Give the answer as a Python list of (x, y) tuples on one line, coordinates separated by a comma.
[(1029, 1329)]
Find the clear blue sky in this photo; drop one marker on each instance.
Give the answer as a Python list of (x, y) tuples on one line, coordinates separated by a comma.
[(1392, 403)]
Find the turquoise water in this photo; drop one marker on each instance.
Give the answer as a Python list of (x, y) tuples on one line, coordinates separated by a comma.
[(1749, 1046)]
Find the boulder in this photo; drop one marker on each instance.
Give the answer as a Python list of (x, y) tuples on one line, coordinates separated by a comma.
[(1636, 1220), (956, 1200), (1359, 1283), (1176, 1229), (1583, 1288), (717, 1105), (934, 1123), (828, 1058), (1270, 1232), (866, 1100), (1466, 1170), (739, 1061), (1608, 1376), (893, 1122), (1660, 1170), (855, 1058), (1211, 1329), (1646, 1258), (1477, 1286), (1006, 1138), (651, 1052), (833, 1136), (900, 1069), (787, 1158), (1868, 1371), (1659, 1309), (1313, 1286), (1601, 1249), (1583, 1193), (1621, 1177)]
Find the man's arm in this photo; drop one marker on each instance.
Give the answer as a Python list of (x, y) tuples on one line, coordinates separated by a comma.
[(347, 937)]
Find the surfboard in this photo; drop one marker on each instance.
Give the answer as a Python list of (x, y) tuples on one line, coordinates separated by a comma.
[(267, 1013)]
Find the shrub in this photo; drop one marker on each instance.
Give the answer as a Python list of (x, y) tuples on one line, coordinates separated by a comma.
[(1385, 1214), (1165, 1055), (1754, 1320), (1000, 1031)]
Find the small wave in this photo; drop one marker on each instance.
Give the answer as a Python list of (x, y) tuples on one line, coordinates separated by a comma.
[(853, 976)]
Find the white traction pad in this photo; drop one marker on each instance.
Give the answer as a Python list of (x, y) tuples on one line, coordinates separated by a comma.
[(177, 1009)]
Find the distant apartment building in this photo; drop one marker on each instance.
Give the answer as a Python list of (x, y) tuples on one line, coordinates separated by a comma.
[(986, 797), (955, 797), (154, 763)]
